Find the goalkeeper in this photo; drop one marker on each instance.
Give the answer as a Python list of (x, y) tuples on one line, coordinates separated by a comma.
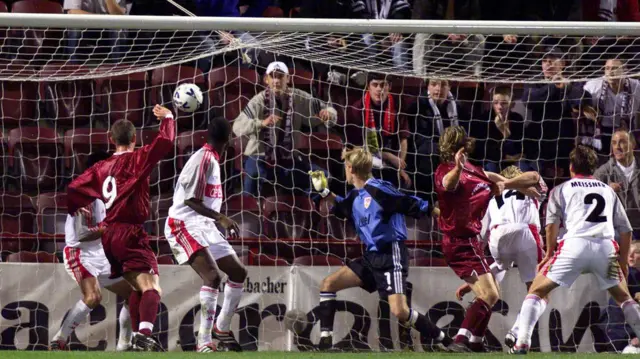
[(377, 211)]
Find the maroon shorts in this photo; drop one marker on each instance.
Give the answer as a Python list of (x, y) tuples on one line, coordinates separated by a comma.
[(465, 256), (127, 249)]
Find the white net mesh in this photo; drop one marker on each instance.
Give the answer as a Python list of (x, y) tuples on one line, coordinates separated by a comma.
[(63, 88)]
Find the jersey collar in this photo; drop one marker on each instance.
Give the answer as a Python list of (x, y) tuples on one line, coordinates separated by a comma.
[(208, 147), (583, 177), (121, 153)]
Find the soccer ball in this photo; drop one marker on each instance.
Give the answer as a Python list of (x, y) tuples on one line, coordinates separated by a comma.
[(187, 97), (296, 321)]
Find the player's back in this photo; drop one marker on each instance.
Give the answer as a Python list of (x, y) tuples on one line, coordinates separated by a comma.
[(462, 210), (588, 207), (122, 180), (124, 188), (200, 179), (513, 207)]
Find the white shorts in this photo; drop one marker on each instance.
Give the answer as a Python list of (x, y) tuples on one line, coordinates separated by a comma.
[(83, 263), (186, 238), (518, 244), (575, 256)]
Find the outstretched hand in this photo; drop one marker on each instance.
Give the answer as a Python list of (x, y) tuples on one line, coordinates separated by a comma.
[(319, 180), (161, 112)]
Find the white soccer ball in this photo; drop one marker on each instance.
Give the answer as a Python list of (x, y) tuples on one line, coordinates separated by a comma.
[(187, 97), (631, 349)]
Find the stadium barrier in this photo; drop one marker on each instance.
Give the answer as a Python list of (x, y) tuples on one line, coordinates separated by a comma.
[(34, 299)]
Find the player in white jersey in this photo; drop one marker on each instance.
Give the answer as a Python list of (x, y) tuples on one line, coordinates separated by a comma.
[(86, 263), (592, 214), (193, 235), (511, 227)]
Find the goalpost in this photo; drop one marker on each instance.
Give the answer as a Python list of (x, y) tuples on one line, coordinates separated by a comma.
[(65, 79)]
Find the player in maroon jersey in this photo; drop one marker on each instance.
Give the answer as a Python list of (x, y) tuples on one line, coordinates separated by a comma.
[(122, 183), (464, 191)]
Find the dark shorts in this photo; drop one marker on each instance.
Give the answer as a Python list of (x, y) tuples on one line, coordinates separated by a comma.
[(465, 256), (385, 270), (127, 249)]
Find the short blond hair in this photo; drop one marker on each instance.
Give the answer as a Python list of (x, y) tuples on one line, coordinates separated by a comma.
[(510, 172), (361, 161)]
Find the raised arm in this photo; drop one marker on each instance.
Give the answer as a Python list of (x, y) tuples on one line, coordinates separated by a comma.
[(149, 156), (451, 179)]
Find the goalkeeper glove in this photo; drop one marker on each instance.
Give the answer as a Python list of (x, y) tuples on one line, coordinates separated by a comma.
[(320, 183)]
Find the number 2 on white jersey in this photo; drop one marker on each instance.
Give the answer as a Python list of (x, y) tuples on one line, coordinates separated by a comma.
[(109, 191)]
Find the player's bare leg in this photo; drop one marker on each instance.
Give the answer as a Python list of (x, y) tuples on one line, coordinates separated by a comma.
[(204, 264), (400, 309), (236, 274), (343, 278), (91, 298), (471, 333), (533, 306), (147, 285), (123, 289), (630, 307)]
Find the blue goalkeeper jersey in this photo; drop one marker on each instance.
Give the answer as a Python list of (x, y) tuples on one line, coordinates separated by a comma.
[(377, 211)]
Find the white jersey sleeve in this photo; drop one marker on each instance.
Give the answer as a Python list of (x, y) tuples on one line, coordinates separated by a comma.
[(83, 221), (588, 208), (200, 179)]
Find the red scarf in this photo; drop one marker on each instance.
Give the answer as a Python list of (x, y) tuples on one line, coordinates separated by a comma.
[(389, 121)]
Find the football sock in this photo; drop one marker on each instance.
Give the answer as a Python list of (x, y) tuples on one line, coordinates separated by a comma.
[(475, 322), (134, 310), (232, 296), (208, 304), (532, 309), (76, 315), (425, 326), (327, 313), (124, 319), (148, 311)]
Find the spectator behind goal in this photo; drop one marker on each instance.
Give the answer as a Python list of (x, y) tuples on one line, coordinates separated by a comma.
[(621, 173), (81, 43), (375, 121), (270, 120)]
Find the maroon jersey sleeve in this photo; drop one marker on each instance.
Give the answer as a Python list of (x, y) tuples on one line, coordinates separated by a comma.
[(83, 190), (148, 156), (442, 171)]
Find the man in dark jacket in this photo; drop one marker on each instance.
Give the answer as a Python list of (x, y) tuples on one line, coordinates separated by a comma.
[(551, 135)]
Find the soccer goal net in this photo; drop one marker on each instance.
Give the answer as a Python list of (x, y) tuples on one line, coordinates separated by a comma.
[(528, 92)]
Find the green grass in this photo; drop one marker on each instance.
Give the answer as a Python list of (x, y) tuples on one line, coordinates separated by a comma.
[(282, 355)]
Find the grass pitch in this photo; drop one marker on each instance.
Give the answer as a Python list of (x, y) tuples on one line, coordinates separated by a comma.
[(283, 355)]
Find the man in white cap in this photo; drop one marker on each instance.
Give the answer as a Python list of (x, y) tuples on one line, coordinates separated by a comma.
[(269, 121)]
